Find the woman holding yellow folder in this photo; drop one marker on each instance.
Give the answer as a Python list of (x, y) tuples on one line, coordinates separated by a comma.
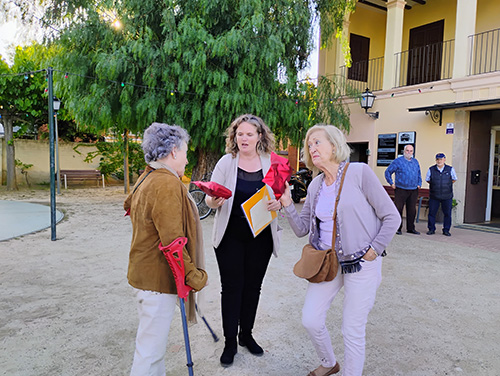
[(241, 257)]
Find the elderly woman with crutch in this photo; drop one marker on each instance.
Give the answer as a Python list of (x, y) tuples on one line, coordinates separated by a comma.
[(161, 211)]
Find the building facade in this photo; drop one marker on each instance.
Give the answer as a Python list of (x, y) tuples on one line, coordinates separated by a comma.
[(434, 67)]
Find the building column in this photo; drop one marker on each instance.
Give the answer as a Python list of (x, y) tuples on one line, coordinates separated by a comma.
[(465, 26), (459, 160), (393, 40)]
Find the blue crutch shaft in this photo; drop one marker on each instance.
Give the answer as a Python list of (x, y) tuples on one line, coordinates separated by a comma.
[(186, 337), (206, 323)]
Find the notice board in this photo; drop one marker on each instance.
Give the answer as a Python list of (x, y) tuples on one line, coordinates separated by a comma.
[(386, 148)]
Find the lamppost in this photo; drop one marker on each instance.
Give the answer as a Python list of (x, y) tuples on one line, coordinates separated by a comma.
[(57, 105), (50, 106), (367, 99)]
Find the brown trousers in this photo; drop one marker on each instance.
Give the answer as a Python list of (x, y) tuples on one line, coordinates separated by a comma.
[(409, 198)]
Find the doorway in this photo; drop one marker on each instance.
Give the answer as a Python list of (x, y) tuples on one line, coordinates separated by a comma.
[(476, 186), (493, 198), (360, 53), (359, 152), (425, 52)]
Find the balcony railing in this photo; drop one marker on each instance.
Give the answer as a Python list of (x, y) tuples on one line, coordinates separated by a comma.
[(432, 62), (484, 52), (364, 74)]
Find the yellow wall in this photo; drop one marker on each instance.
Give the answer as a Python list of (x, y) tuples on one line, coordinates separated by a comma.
[(432, 11), (326, 61), (393, 103), (370, 24), (37, 153), (488, 15), (365, 22), (394, 118)]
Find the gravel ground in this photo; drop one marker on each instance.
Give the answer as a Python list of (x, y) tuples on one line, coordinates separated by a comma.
[(67, 309)]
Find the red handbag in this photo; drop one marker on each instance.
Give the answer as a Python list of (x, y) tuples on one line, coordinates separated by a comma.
[(213, 189)]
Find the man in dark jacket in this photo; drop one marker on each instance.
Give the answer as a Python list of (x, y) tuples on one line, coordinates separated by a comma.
[(440, 178)]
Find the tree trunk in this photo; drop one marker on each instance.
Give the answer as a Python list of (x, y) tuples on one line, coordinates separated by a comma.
[(11, 156), (207, 159), (126, 179)]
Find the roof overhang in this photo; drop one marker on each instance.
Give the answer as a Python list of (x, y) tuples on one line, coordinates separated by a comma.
[(436, 110)]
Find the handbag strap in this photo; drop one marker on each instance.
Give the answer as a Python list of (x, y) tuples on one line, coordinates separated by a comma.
[(137, 186), (334, 235)]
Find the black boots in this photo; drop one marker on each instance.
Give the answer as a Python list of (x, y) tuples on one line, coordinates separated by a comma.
[(230, 350), (246, 340)]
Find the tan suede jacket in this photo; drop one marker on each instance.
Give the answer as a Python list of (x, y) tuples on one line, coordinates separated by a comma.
[(161, 211)]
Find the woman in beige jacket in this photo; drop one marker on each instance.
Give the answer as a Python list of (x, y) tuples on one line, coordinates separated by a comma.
[(241, 257)]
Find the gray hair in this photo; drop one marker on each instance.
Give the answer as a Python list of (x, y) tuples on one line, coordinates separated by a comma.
[(160, 139)]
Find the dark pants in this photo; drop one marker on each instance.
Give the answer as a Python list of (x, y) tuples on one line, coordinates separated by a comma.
[(409, 198), (433, 209), (243, 262)]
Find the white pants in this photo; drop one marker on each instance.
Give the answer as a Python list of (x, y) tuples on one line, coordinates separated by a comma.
[(156, 311), (359, 296)]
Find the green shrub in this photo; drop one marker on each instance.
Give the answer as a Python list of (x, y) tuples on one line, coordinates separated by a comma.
[(111, 158)]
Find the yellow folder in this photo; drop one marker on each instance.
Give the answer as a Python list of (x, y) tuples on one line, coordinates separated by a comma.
[(256, 213)]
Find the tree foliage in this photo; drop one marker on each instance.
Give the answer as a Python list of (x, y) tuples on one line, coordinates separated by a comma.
[(332, 18), (23, 100), (22, 87), (196, 63)]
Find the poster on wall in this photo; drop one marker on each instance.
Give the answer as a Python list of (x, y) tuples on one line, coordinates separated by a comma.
[(406, 138), (386, 149)]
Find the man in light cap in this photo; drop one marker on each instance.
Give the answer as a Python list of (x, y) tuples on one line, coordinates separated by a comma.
[(440, 178)]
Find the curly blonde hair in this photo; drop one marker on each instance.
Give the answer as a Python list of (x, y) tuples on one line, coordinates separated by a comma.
[(264, 146)]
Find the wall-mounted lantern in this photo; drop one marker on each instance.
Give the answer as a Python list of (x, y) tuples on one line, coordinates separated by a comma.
[(367, 99)]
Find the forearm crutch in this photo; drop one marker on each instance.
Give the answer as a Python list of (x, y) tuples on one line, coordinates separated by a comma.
[(173, 253)]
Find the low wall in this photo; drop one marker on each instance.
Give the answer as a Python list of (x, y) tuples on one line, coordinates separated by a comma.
[(36, 152)]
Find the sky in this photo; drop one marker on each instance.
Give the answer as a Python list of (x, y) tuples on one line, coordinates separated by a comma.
[(8, 33), (13, 34)]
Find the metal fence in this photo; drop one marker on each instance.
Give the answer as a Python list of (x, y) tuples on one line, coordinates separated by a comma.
[(364, 74), (484, 52), (432, 62)]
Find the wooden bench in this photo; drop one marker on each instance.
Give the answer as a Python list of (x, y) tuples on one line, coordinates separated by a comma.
[(422, 201), (81, 176)]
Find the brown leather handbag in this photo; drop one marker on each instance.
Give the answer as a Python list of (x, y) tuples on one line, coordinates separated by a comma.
[(316, 265)]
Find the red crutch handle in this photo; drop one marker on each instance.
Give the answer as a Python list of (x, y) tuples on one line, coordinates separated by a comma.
[(173, 253)]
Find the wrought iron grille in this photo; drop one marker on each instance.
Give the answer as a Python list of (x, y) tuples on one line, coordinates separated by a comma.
[(432, 62), (364, 74), (484, 52)]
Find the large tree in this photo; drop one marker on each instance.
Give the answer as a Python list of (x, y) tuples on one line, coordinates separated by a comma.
[(23, 100), (196, 63)]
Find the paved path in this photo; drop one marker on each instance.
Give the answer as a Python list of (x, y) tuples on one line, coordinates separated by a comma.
[(461, 236), (20, 218)]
